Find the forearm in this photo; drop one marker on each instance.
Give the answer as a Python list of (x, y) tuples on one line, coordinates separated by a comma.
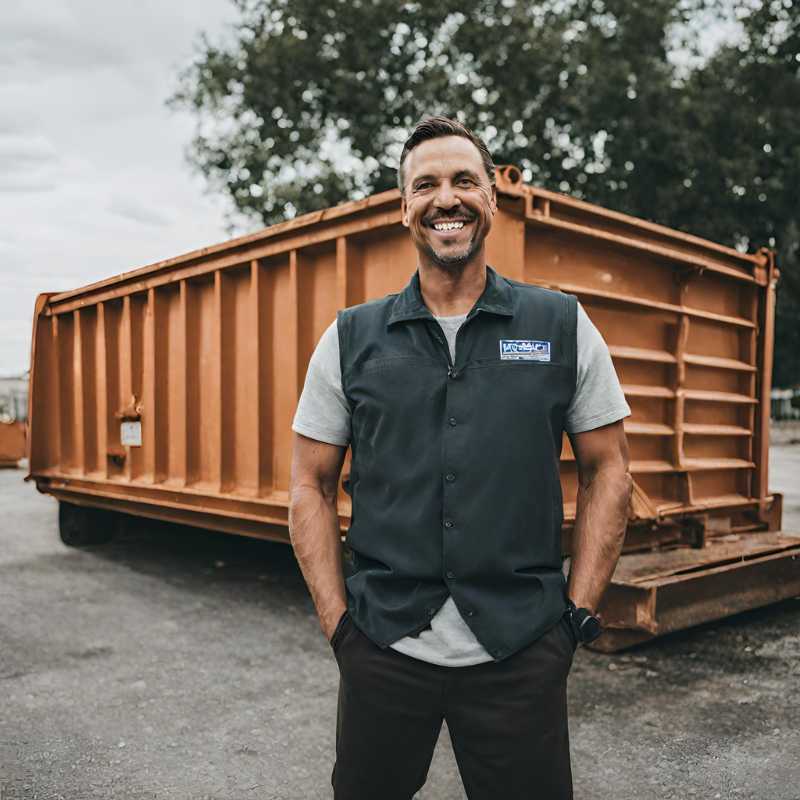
[(314, 531), (601, 519)]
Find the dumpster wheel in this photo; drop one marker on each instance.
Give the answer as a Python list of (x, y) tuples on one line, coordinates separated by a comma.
[(80, 526)]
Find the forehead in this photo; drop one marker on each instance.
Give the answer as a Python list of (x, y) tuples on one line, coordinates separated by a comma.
[(445, 155)]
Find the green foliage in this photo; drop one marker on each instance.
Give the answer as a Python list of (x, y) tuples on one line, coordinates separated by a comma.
[(610, 100)]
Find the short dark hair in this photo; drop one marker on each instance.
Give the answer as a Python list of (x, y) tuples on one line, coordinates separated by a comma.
[(435, 127)]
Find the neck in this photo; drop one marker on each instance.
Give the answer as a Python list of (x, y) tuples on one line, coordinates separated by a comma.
[(448, 293)]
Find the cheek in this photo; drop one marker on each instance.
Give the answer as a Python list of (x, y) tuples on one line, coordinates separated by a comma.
[(414, 215), (488, 201)]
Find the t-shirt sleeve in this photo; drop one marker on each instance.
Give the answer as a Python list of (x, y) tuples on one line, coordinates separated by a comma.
[(322, 412), (598, 399)]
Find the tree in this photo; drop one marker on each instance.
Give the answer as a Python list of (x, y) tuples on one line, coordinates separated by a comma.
[(610, 100)]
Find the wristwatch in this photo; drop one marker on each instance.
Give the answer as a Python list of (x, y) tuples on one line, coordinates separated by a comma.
[(585, 626)]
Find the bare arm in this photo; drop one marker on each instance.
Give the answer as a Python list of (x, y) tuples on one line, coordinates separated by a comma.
[(314, 525), (603, 495)]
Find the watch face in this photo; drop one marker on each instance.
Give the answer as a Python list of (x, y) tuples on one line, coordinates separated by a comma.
[(590, 629)]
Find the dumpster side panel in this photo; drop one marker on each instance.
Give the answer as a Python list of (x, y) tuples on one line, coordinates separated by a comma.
[(683, 343), (206, 367), (388, 260)]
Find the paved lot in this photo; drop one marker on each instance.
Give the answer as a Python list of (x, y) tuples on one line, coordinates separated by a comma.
[(178, 664)]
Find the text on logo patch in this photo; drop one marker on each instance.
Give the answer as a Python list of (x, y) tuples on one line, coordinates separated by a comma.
[(524, 350)]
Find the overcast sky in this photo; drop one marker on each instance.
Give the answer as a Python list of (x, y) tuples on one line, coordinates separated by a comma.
[(93, 179)]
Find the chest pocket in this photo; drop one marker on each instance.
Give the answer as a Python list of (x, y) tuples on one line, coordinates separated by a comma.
[(387, 388), (393, 363)]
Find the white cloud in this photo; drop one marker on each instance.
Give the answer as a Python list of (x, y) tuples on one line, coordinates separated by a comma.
[(26, 163), (18, 151), (25, 182), (93, 180), (132, 209)]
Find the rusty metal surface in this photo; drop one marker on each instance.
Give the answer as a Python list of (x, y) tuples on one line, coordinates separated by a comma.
[(12, 443), (663, 592), (642, 569), (201, 358)]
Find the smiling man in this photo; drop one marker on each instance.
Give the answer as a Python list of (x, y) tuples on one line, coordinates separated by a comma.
[(448, 223), (453, 396)]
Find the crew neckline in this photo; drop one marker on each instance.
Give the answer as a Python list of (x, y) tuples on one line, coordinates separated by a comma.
[(461, 317)]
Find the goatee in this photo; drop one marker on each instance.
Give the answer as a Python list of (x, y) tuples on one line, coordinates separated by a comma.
[(454, 264)]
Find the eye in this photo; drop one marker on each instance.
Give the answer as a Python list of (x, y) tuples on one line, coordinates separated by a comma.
[(422, 186), (466, 182)]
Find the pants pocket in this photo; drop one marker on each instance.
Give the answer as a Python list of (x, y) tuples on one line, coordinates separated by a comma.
[(340, 630), (569, 634)]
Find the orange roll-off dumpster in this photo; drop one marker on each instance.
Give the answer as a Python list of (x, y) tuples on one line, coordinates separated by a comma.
[(168, 391)]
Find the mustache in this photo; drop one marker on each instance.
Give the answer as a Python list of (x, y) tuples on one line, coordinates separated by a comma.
[(449, 218)]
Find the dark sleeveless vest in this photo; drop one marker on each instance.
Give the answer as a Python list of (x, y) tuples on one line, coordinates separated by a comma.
[(454, 479)]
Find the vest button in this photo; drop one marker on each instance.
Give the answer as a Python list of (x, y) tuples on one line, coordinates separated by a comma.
[(450, 477), (448, 523), (470, 613), (452, 422)]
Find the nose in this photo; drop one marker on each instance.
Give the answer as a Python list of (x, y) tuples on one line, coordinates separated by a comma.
[(445, 197)]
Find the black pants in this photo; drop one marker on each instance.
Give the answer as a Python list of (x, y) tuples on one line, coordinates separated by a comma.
[(507, 720)]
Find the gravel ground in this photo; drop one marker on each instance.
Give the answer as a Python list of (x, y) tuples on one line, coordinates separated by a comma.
[(175, 664)]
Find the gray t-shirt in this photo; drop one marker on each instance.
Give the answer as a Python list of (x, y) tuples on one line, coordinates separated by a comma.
[(323, 414)]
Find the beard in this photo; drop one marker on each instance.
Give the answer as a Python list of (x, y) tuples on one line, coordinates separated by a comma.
[(454, 263)]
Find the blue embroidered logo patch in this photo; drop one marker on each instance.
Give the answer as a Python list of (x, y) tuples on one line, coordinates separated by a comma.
[(524, 350)]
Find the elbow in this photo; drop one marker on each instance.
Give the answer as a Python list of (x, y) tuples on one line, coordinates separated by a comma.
[(295, 498), (617, 477), (309, 492), (626, 499), (300, 493), (626, 489), (298, 490), (626, 482)]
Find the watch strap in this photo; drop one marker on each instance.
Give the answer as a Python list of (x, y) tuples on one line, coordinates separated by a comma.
[(578, 618)]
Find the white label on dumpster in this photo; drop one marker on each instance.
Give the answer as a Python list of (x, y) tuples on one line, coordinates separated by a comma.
[(131, 434)]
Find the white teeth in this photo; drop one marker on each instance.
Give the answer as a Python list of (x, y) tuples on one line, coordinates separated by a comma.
[(448, 226)]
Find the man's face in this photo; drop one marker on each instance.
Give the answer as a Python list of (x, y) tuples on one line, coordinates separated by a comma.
[(448, 201)]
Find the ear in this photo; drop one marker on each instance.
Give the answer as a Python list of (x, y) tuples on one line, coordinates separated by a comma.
[(493, 204), (404, 209)]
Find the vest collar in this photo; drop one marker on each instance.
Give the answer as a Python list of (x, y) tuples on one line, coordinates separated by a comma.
[(497, 298)]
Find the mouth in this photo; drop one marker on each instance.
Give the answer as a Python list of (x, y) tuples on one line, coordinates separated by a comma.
[(449, 226)]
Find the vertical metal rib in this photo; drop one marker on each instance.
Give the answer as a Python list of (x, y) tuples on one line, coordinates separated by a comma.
[(752, 388), (126, 371), (150, 412), (78, 403), (54, 381), (293, 328), (765, 381), (254, 345), (101, 390), (679, 404), (217, 389), (180, 437), (342, 273)]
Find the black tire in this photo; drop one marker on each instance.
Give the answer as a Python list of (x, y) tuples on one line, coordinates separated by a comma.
[(79, 526)]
